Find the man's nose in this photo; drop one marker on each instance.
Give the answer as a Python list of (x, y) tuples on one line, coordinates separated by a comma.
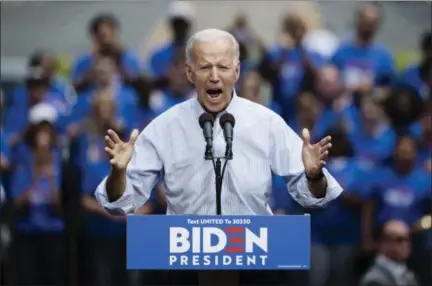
[(214, 76)]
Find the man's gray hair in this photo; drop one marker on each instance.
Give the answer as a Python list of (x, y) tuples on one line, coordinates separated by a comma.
[(208, 35)]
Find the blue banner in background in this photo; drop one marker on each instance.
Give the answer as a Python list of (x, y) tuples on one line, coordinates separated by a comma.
[(218, 242)]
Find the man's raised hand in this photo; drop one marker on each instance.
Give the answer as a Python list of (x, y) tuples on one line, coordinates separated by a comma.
[(119, 152)]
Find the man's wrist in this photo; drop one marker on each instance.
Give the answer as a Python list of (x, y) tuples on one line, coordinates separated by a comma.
[(315, 177)]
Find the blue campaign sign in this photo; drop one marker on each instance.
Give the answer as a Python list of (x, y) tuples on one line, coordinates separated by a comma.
[(218, 242)]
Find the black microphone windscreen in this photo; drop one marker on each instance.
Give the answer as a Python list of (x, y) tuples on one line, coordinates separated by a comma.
[(205, 117), (227, 117)]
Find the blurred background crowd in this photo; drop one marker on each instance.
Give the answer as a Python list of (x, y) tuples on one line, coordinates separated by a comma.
[(376, 104)]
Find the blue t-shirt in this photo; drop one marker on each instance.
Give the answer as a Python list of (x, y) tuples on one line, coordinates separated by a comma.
[(290, 77), (400, 197), (125, 98), (411, 76), (161, 60), (142, 118), (16, 118), (40, 216), (275, 107), (328, 119), (375, 148), (84, 63), (338, 223), (374, 61), (162, 100), (95, 166), (21, 154)]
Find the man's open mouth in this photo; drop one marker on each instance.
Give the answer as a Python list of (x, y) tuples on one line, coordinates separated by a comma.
[(214, 92)]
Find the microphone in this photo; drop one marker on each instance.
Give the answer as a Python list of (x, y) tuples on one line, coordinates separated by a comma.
[(227, 122), (206, 121)]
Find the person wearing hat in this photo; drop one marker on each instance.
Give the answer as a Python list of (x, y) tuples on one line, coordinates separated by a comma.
[(38, 249)]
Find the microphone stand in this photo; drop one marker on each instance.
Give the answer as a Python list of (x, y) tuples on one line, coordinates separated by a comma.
[(219, 172)]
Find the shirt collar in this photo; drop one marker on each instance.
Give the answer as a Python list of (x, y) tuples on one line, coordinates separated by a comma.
[(231, 108), (397, 269)]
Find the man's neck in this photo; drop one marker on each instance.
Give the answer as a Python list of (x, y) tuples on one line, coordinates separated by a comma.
[(362, 41)]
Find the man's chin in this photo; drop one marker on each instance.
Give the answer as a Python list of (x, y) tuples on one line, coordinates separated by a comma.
[(214, 107)]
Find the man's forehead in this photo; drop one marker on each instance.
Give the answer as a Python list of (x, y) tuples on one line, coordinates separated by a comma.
[(396, 228), (369, 12), (218, 46)]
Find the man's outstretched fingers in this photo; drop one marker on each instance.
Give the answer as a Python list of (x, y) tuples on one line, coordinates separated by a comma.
[(114, 137)]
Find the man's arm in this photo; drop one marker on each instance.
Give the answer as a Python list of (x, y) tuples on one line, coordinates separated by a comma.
[(286, 161), (126, 191)]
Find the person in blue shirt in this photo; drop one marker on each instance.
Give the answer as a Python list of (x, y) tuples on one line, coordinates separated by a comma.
[(403, 107), (336, 230), (144, 114), (396, 189), (180, 23), (419, 75), (402, 191), (104, 31), (337, 105), (105, 234), (48, 63), (178, 89), (363, 62), (372, 137), (105, 83), (289, 67), (38, 249), (35, 91), (103, 115), (41, 113), (43, 64)]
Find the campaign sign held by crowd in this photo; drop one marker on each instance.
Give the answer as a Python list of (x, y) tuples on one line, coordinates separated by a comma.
[(218, 242)]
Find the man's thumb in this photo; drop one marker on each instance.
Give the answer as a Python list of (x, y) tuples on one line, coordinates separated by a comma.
[(134, 136), (306, 136)]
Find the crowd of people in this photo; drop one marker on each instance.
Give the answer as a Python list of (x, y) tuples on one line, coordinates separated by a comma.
[(52, 150)]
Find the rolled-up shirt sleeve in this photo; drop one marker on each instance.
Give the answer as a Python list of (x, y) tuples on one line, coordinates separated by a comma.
[(286, 161), (142, 174)]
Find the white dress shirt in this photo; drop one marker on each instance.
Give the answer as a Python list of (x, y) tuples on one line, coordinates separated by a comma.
[(399, 271), (171, 148)]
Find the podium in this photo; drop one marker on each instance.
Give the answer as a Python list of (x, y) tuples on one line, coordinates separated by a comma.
[(195, 242)]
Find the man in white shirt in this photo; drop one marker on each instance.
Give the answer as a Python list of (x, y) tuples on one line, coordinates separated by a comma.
[(390, 267), (172, 147)]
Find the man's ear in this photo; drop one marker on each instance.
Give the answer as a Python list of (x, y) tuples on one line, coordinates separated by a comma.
[(189, 73)]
